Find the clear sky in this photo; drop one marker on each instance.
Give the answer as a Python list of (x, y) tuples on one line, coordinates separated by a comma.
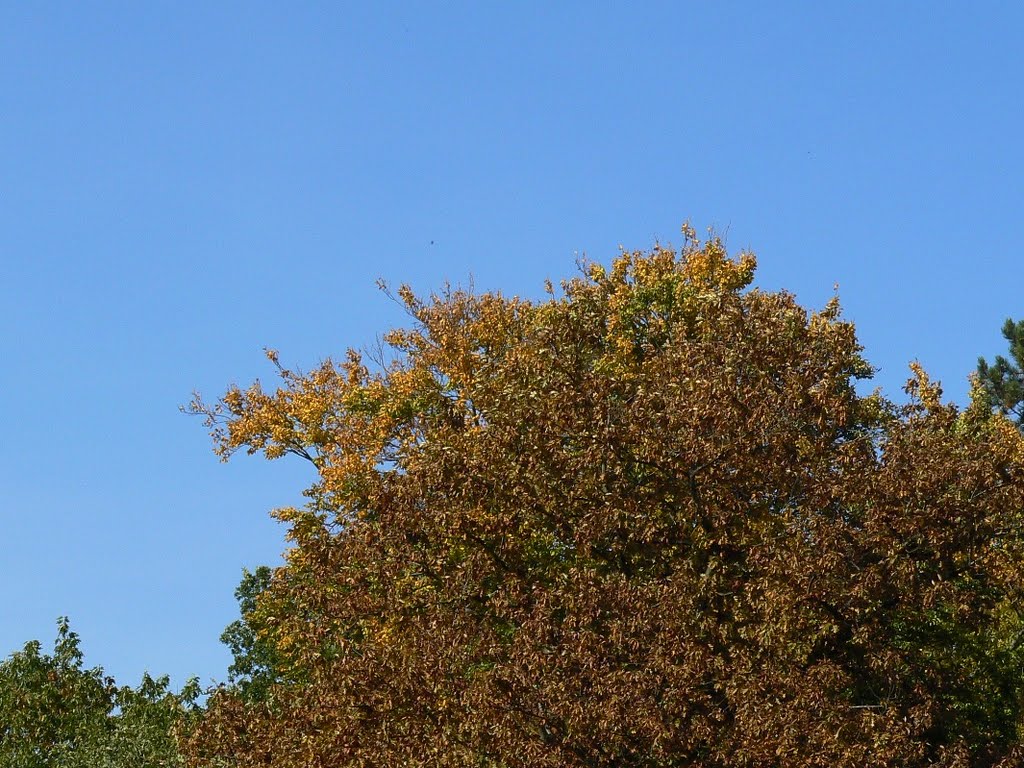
[(182, 184)]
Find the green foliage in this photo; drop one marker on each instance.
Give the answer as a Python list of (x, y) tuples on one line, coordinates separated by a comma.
[(1003, 380), (54, 713), (255, 660), (50, 707)]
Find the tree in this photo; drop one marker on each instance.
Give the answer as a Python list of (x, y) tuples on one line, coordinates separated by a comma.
[(254, 666), (56, 714), (1003, 381), (648, 521)]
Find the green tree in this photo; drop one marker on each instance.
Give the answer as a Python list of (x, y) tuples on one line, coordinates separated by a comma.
[(54, 713), (1003, 380), (255, 663), (647, 522)]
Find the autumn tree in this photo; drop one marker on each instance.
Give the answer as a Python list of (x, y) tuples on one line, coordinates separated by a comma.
[(1003, 380), (55, 713), (648, 521)]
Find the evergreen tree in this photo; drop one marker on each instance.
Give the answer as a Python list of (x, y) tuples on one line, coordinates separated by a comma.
[(1004, 379)]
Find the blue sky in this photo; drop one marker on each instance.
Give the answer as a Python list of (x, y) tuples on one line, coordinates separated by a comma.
[(186, 183)]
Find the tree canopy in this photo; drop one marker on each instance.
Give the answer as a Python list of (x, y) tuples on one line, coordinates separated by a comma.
[(254, 660), (54, 713), (647, 521), (1003, 380)]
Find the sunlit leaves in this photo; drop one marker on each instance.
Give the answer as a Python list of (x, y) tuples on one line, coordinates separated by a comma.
[(54, 713), (648, 521)]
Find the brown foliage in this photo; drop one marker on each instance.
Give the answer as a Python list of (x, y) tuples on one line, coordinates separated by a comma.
[(646, 522)]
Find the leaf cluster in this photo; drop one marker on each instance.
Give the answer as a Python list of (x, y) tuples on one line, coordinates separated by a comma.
[(54, 713)]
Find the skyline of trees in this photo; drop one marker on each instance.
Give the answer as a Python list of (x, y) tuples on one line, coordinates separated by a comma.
[(647, 521)]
